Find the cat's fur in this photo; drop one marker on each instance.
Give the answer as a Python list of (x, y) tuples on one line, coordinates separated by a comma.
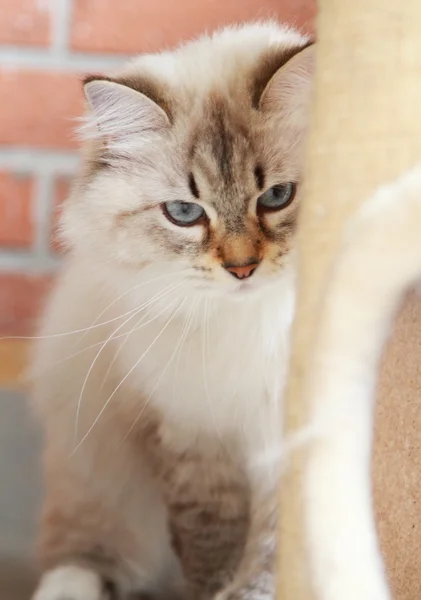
[(379, 259), (162, 412)]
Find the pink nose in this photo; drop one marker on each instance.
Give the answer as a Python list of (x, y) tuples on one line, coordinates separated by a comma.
[(242, 271)]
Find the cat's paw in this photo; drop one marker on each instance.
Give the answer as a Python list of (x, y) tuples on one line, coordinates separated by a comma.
[(71, 583)]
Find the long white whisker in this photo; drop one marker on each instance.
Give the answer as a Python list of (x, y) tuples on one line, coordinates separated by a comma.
[(68, 333), (93, 326), (191, 319), (139, 325), (179, 345), (135, 287), (127, 375), (79, 402), (135, 327), (167, 290)]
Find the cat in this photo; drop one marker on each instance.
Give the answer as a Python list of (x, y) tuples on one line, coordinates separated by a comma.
[(159, 371)]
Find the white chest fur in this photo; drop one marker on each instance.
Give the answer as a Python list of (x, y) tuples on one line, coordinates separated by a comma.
[(217, 367)]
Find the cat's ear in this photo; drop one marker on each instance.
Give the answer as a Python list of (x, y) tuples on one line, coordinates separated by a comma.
[(117, 112), (290, 86)]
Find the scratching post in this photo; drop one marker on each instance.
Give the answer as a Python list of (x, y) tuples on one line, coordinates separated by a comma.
[(365, 131)]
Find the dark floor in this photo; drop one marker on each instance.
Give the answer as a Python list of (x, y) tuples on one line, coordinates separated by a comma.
[(19, 496), (16, 580)]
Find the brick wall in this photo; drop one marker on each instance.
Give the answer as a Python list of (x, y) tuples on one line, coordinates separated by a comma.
[(45, 47)]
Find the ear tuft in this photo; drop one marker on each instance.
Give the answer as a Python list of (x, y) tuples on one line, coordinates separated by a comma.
[(119, 113)]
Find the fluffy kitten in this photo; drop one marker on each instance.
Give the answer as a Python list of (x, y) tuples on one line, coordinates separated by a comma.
[(161, 410)]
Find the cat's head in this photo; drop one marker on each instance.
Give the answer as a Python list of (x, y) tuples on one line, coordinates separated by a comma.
[(193, 159)]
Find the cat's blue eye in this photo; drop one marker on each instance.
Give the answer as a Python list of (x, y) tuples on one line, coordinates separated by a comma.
[(277, 197), (183, 213)]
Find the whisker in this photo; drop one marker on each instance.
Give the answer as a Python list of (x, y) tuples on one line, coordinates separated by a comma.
[(138, 310), (139, 325), (75, 354), (31, 376), (68, 333), (192, 315), (79, 402), (135, 327), (93, 326), (141, 284), (178, 347), (127, 375)]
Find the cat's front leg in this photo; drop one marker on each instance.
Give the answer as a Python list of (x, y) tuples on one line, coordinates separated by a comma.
[(208, 503), (255, 576), (209, 526), (103, 534)]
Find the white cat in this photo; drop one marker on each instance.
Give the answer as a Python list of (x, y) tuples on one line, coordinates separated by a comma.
[(160, 373)]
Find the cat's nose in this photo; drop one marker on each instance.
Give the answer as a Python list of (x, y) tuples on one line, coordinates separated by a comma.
[(242, 271)]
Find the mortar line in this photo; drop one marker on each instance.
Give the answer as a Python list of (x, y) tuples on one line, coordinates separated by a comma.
[(22, 159), (25, 263), (14, 57), (60, 11)]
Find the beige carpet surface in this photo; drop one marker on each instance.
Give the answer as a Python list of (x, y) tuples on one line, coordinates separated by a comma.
[(397, 464), (16, 580)]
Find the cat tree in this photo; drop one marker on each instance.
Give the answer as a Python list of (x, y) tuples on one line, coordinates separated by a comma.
[(366, 131)]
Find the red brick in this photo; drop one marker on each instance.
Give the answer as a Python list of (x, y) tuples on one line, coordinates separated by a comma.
[(131, 26), (21, 300), (25, 22), (16, 225), (37, 108), (61, 191)]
